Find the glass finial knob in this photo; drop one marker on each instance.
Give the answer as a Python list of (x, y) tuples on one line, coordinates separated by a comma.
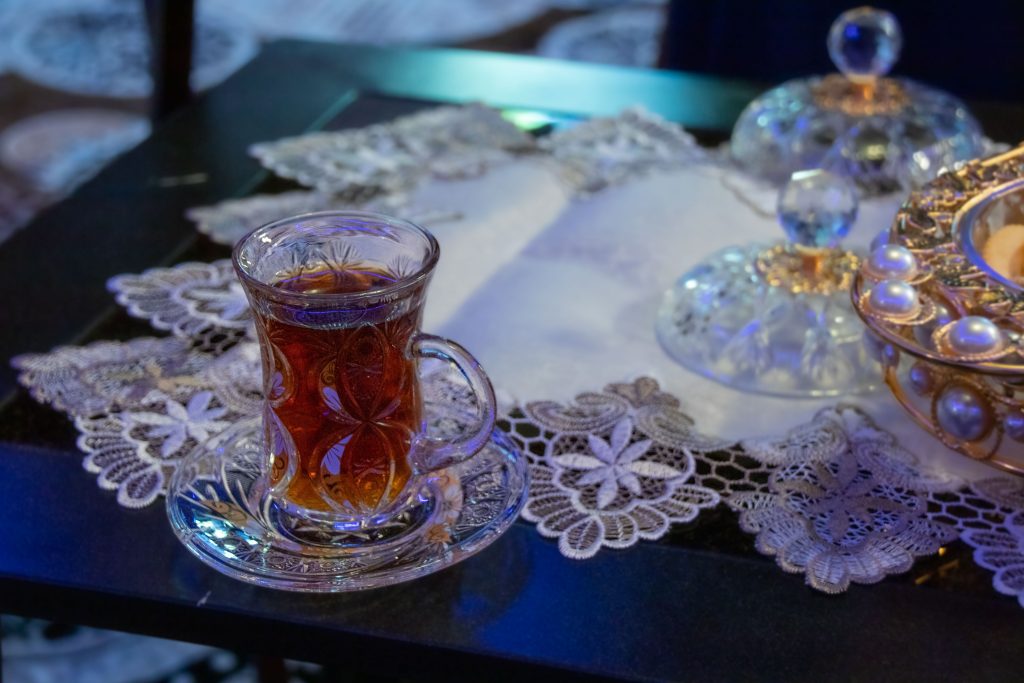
[(864, 43), (817, 208)]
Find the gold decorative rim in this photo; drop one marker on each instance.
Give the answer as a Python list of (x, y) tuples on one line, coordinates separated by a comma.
[(807, 271), (836, 92), (928, 224), (968, 394)]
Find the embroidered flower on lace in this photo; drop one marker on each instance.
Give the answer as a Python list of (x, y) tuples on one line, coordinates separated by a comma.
[(178, 422), (198, 301), (606, 151), (140, 406), (833, 433), (616, 467), (838, 507), (135, 451), (359, 164), (229, 221)]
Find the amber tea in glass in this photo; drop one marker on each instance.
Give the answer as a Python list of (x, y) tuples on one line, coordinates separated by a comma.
[(338, 299)]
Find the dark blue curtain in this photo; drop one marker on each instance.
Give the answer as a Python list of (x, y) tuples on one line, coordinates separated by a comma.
[(974, 49)]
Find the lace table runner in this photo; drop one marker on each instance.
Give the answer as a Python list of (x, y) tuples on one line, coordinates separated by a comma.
[(837, 498), (560, 248)]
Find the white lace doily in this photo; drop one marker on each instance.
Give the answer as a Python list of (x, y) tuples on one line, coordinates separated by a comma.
[(229, 221), (612, 468), (202, 302), (606, 151), (377, 168), (390, 158), (142, 405), (838, 499), (844, 503)]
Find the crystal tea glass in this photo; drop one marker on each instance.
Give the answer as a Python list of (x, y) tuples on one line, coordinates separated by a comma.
[(338, 298)]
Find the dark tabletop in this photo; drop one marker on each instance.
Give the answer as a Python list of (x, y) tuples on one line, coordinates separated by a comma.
[(702, 605)]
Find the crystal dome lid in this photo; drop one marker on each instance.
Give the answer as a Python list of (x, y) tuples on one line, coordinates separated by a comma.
[(884, 133)]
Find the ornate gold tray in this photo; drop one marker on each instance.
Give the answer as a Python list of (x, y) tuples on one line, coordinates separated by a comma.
[(949, 312)]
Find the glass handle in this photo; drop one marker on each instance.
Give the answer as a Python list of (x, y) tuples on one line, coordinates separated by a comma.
[(433, 454)]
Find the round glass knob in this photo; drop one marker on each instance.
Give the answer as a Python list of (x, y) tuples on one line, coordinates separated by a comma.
[(817, 208), (864, 43)]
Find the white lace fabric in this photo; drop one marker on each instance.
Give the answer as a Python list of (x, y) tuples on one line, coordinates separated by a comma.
[(603, 152), (845, 502), (378, 168), (201, 302), (617, 467), (229, 221), (141, 406), (446, 142), (838, 498)]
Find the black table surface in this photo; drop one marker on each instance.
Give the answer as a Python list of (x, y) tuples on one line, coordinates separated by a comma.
[(700, 606)]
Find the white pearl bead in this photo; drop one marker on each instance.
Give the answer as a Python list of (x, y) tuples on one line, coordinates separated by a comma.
[(975, 335), (893, 298), (891, 262)]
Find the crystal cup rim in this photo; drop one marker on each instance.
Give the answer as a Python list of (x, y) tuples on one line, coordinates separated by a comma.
[(433, 253)]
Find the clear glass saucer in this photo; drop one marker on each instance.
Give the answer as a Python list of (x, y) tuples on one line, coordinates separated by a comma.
[(213, 506), (723, 319)]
